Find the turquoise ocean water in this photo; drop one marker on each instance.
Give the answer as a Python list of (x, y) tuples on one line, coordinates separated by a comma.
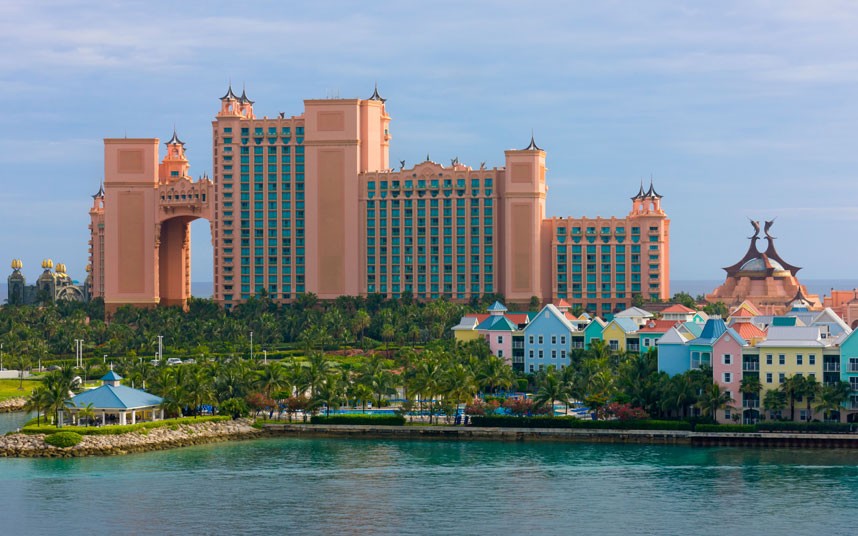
[(340, 486)]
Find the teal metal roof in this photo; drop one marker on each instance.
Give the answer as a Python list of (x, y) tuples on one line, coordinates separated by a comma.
[(784, 321), (111, 376), (713, 330), (115, 397), (497, 323), (693, 328), (497, 307)]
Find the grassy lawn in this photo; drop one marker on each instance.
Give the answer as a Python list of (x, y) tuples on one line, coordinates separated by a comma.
[(9, 388)]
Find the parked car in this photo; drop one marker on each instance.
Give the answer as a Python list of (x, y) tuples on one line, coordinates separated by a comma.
[(156, 362), (174, 361)]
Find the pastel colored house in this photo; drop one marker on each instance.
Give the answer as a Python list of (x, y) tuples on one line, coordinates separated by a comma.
[(498, 331), (849, 372), (547, 340), (636, 314), (678, 312), (653, 331), (790, 351), (673, 355), (620, 335), (722, 348)]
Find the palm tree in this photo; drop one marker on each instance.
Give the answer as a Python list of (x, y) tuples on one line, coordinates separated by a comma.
[(809, 389), (713, 399), (272, 378), (330, 392), (87, 413), (21, 362), (774, 401), (832, 397), (751, 385), (792, 388), (551, 389)]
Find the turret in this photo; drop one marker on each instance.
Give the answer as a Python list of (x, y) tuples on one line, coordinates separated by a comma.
[(229, 104), (175, 165)]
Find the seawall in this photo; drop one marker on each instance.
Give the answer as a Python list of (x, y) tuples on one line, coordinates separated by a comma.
[(652, 437)]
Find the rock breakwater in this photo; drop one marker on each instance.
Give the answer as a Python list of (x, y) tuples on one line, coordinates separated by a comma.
[(12, 404), (166, 437)]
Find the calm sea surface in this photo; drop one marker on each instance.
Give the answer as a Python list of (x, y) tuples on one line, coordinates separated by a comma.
[(306, 486)]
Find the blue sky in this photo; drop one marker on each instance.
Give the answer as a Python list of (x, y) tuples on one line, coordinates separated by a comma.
[(737, 109)]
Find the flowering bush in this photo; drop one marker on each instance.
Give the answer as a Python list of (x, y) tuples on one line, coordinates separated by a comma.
[(625, 412), (481, 407), (524, 406)]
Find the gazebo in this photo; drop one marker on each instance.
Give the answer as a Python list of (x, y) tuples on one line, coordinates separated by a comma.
[(115, 399)]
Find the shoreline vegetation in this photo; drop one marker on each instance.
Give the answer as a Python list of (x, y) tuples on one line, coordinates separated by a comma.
[(35, 441)]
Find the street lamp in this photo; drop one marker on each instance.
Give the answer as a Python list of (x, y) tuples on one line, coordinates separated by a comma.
[(251, 346), (104, 359), (265, 359), (1, 356), (160, 347)]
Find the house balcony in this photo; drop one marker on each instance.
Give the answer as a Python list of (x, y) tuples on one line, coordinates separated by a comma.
[(633, 348), (750, 366), (852, 367), (751, 404), (831, 367)]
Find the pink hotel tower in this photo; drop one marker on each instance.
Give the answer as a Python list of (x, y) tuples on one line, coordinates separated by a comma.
[(310, 203)]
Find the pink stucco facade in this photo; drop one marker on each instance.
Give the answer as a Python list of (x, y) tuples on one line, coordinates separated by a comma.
[(727, 371)]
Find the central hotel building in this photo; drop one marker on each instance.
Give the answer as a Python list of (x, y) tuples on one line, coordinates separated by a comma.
[(309, 203)]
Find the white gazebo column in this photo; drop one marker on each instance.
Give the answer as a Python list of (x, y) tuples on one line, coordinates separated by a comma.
[(103, 418), (162, 414), (133, 417), (60, 419), (122, 418)]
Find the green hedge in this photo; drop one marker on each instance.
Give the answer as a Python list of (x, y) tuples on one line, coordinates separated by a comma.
[(63, 440), (506, 421), (571, 422), (814, 427), (377, 420), (122, 429), (741, 428)]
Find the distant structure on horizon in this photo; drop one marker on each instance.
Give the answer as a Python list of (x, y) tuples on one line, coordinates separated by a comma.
[(52, 285), (764, 279), (309, 203)]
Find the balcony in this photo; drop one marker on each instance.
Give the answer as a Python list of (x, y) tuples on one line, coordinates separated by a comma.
[(751, 404), (831, 367), (749, 366), (853, 367), (634, 348)]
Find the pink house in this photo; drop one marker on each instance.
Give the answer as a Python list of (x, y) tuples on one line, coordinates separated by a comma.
[(498, 330), (724, 347)]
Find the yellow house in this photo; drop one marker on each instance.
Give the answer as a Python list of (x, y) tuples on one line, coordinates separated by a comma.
[(790, 351), (620, 335), (466, 329)]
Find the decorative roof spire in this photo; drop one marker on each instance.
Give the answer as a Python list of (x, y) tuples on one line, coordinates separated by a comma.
[(375, 96), (243, 99), (175, 139), (651, 192), (229, 94), (640, 194), (532, 146), (100, 192)]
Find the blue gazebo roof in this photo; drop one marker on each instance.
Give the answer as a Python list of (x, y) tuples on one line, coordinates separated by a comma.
[(111, 377), (114, 397)]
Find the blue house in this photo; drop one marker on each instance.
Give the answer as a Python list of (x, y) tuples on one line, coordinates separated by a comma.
[(547, 340), (673, 353)]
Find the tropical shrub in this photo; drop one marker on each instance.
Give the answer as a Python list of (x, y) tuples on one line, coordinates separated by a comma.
[(234, 407), (63, 440), (625, 412), (376, 420)]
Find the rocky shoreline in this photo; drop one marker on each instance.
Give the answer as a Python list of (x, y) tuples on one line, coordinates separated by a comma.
[(12, 404), (167, 437)]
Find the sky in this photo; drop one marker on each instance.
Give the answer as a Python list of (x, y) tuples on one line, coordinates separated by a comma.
[(735, 109)]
